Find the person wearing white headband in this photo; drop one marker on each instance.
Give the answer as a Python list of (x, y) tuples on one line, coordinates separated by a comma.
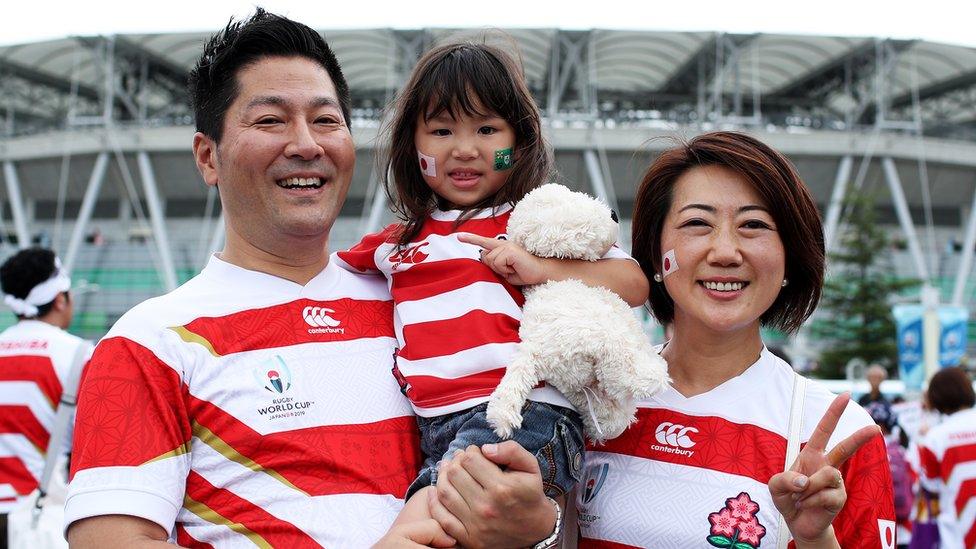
[(35, 359)]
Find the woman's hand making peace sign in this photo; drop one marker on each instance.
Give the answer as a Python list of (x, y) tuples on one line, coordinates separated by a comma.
[(811, 493)]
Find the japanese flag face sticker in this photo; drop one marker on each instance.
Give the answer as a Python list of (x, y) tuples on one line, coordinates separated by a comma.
[(427, 164), (669, 263)]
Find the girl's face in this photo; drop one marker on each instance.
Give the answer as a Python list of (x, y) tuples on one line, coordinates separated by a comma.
[(466, 160), (730, 257)]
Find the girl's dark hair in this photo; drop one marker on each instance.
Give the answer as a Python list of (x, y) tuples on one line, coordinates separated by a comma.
[(776, 180), (472, 79), (951, 390)]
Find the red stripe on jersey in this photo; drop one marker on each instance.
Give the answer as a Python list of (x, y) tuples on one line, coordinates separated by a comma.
[(184, 539), (718, 444), (447, 337), (967, 491), (956, 455), (20, 420), (586, 543), (36, 369), (274, 530), (370, 458), (130, 408), (870, 497), (434, 278), (15, 473), (430, 391), (362, 256), (930, 463), (285, 324), (488, 226)]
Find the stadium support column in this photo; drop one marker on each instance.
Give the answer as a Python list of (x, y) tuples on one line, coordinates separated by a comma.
[(966, 263), (216, 240), (16, 204), (376, 207), (837, 201), (87, 207), (596, 179), (157, 220), (905, 217)]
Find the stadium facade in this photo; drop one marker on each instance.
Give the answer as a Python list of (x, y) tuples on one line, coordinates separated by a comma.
[(95, 137)]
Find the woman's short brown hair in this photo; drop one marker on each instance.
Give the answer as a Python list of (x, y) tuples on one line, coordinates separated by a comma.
[(951, 390), (777, 182)]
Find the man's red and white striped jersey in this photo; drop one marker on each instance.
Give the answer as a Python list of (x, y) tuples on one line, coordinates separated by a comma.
[(456, 321), (948, 456), (244, 409), (35, 361), (693, 472)]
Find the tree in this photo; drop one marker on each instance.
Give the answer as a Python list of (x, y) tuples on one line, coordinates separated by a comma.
[(858, 295)]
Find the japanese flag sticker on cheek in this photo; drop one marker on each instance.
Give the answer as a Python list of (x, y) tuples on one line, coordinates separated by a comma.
[(427, 164), (669, 263)]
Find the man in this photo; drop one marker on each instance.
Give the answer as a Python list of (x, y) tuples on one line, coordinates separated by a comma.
[(254, 404), (875, 375), (36, 356)]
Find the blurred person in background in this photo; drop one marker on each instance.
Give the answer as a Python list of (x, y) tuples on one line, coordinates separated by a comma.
[(903, 477), (875, 375), (35, 360), (948, 457)]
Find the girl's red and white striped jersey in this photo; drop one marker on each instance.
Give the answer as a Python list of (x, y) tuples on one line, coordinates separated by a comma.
[(693, 472), (249, 410), (948, 459), (456, 321), (35, 361)]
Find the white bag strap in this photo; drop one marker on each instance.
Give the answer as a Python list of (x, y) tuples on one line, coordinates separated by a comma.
[(62, 421), (792, 445)]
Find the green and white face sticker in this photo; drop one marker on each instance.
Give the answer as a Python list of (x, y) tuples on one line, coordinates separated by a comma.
[(503, 159)]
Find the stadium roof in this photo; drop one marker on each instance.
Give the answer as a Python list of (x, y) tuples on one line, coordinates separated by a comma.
[(815, 81)]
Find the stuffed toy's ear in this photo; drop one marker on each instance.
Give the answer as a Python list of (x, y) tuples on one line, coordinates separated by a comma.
[(553, 221)]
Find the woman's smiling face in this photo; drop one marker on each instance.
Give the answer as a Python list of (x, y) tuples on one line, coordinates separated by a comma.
[(730, 257)]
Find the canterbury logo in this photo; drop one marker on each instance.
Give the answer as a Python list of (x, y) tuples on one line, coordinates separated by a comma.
[(410, 255), (316, 316), (672, 434)]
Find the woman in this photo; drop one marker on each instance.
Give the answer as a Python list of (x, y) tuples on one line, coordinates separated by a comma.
[(733, 241), (948, 456)]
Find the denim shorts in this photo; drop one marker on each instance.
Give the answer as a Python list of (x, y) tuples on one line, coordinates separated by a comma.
[(554, 434)]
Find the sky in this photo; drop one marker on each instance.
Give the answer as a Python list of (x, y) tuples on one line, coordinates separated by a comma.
[(950, 21)]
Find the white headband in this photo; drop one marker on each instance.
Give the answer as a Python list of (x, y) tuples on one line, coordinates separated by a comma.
[(42, 294)]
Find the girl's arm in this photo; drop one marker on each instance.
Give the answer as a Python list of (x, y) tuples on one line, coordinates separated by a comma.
[(518, 267)]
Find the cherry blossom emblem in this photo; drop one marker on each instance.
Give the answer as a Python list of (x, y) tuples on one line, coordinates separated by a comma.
[(735, 526)]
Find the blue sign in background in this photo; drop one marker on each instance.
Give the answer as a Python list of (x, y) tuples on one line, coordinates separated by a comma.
[(911, 367), (952, 337)]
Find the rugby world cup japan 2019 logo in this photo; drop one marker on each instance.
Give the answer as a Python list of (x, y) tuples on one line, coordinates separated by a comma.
[(735, 526), (596, 476), (274, 375)]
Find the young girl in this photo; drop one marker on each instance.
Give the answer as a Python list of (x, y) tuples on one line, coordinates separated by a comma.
[(467, 144)]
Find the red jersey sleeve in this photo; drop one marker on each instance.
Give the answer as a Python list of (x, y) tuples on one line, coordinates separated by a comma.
[(131, 409), (362, 256), (867, 520)]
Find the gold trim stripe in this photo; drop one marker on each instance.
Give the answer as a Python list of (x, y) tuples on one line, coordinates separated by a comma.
[(206, 513), (178, 451), (210, 439), (190, 337)]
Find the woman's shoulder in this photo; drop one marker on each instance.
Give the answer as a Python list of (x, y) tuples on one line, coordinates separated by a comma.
[(817, 399)]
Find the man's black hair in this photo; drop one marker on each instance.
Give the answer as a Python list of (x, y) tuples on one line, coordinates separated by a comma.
[(24, 270), (213, 83)]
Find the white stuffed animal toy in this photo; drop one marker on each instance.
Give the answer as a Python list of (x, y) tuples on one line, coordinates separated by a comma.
[(583, 341)]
